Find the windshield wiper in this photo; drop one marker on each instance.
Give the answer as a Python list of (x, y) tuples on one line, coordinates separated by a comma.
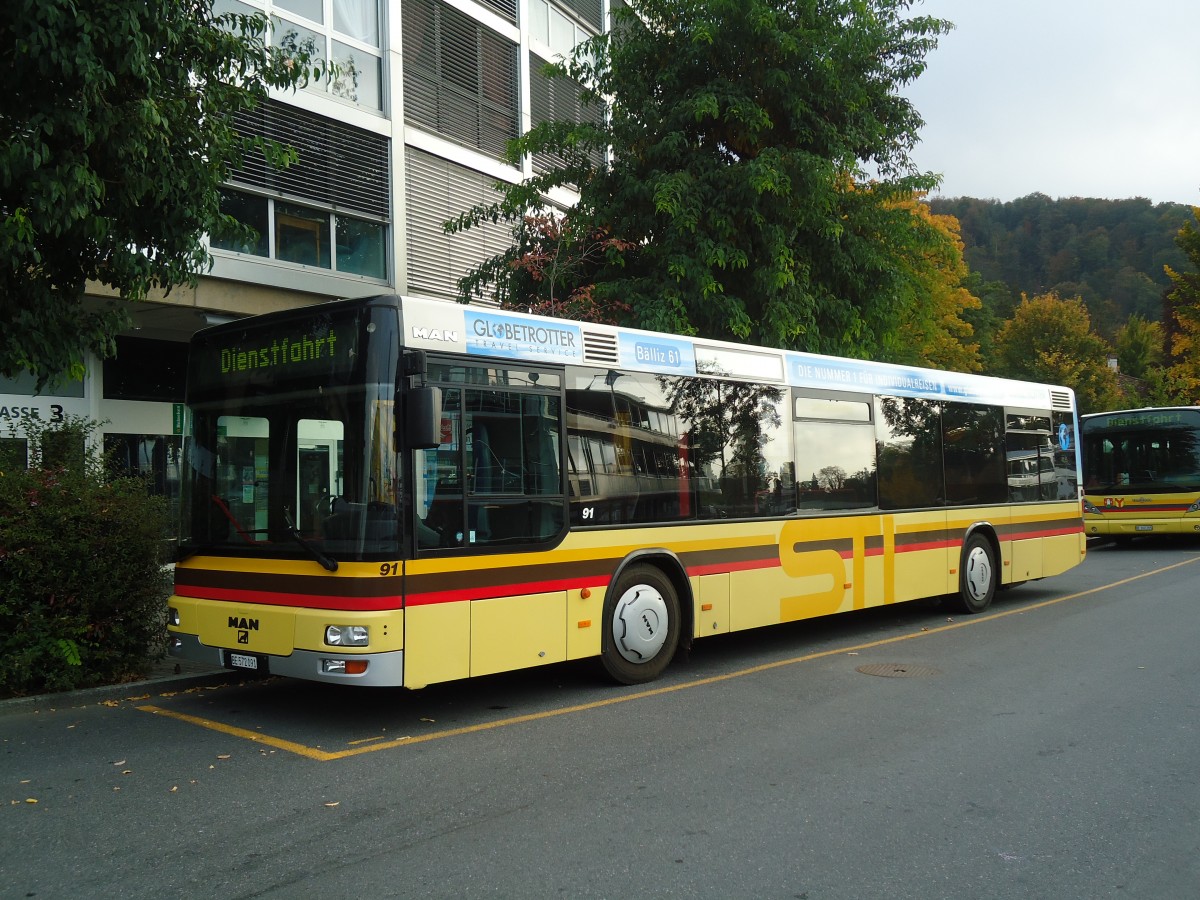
[(326, 561)]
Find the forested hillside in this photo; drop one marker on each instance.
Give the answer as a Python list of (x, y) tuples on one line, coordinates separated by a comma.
[(1109, 252)]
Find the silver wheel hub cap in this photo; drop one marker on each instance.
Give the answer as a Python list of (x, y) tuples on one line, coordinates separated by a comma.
[(639, 626), (979, 573)]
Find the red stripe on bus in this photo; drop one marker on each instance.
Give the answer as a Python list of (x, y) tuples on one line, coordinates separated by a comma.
[(508, 590), (304, 601), (1044, 532), (744, 566)]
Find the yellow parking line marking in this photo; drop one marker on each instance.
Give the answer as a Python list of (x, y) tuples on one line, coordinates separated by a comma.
[(234, 731), (328, 755)]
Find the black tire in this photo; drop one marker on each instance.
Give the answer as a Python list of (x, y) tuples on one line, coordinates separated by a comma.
[(641, 625), (977, 575)]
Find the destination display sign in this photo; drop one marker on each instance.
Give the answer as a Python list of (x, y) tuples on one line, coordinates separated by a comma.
[(1135, 419), (657, 353), (324, 347)]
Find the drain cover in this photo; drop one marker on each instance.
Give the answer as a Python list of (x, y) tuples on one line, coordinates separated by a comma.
[(898, 670)]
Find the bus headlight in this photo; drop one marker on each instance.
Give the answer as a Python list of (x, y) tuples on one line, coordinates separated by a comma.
[(347, 635), (1195, 507), (1089, 508), (172, 616)]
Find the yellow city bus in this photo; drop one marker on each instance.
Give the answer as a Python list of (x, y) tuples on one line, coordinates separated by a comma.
[(403, 491), (1142, 471)]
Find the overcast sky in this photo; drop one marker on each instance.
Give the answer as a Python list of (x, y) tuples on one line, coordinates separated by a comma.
[(1069, 98)]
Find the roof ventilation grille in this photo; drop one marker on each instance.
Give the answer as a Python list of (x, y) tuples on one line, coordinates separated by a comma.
[(599, 347)]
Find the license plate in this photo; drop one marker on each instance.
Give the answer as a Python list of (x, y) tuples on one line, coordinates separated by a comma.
[(242, 661), (1143, 527)]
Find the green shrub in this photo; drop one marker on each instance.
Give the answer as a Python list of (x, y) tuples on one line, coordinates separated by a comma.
[(82, 587)]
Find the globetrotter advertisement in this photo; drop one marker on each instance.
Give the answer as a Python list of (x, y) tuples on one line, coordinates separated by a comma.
[(493, 334)]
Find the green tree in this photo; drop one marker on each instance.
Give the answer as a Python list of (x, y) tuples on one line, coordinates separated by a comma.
[(1183, 314), (741, 135), (1139, 347), (117, 134), (1050, 339)]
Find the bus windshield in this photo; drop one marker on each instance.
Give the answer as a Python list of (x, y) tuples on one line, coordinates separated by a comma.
[(1143, 452), (295, 457)]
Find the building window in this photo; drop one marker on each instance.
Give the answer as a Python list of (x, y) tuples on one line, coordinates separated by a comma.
[(559, 31), (306, 235), (154, 458), (343, 31), (460, 77), (328, 209), (146, 369)]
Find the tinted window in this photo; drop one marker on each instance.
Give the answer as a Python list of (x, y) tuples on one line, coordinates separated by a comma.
[(739, 444), (145, 369), (909, 437), (657, 448), (973, 439), (1066, 440), (626, 458)]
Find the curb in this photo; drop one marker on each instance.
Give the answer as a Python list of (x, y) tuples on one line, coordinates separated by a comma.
[(132, 690)]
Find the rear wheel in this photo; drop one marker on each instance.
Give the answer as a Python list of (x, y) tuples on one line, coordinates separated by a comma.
[(977, 575), (641, 625)]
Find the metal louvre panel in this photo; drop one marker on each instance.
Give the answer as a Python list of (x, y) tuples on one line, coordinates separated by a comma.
[(460, 78), (506, 8), (556, 100), (1060, 400), (339, 166), (439, 190)]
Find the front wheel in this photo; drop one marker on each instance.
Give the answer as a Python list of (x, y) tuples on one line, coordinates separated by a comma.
[(977, 575), (641, 625)]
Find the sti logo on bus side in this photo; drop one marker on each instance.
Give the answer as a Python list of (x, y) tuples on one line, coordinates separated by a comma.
[(443, 335)]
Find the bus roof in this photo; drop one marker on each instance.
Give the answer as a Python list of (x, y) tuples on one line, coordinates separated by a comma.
[(448, 326)]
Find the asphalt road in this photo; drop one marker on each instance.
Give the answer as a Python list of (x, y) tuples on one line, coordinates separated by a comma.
[(1046, 749)]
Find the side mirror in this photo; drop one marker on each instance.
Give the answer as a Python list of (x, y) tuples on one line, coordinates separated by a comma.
[(423, 422)]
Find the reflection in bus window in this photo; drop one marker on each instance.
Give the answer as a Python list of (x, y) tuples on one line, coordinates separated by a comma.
[(496, 478), (909, 436), (835, 445), (654, 448)]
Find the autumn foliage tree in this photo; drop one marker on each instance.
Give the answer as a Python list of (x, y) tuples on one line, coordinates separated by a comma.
[(1183, 316), (552, 267), (1050, 339), (936, 333)]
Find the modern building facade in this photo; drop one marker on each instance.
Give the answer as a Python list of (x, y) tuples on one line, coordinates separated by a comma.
[(409, 134)]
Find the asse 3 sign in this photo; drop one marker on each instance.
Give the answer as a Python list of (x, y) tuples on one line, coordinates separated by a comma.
[(15, 413)]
